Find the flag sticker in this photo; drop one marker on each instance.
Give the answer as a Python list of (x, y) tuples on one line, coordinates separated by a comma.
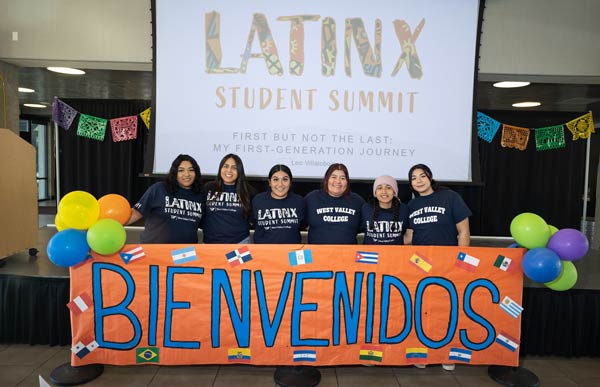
[(187, 254), (238, 355), (421, 262), (84, 347), (416, 354), (305, 355), (503, 263), (80, 304), (460, 354), (371, 352), (467, 262), (238, 256), (300, 257), (507, 341), (132, 255), (366, 257), (511, 307), (147, 355)]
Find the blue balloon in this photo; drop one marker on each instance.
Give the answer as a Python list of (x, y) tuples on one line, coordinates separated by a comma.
[(541, 264), (68, 247), (514, 245)]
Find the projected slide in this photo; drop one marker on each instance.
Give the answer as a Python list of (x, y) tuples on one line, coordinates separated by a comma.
[(376, 85)]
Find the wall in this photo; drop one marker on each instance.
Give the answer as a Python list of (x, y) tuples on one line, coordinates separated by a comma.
[(9, 101)]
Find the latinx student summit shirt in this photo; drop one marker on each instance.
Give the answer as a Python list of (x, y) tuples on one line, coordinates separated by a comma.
[(277, 220), (384, 230), (224, 221), (331, 220)]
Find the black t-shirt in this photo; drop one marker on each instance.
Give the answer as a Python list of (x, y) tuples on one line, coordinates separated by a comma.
[(225, 220), (331, 220), (277, 220)]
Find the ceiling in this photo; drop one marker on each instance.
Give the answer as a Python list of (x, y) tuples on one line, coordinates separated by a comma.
[(113, 84)]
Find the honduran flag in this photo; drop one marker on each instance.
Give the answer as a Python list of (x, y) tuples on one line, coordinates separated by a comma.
[(132, 255), (511, 307), (417, 354), (507, 341), (300, 257), (366, 257), (421, 262), (305, 355), (460, 354), (503, 263), (239, 355), (187, 254), (85, 346), (239, 256), (467, 262), (80, 304), (371, 352)]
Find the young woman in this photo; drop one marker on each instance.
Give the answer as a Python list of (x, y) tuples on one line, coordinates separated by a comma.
[(278, 213), (228, 204), (384, 220), (333, 212), (173, 208)]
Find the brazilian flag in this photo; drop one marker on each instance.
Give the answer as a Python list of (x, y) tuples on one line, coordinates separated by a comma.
[(146, 355)]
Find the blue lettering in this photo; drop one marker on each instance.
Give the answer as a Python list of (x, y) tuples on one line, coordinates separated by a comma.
[(452, 321), (170, 305), (351, 312), (240, 321), (387, 283), (269, 328), (491, 332), (298, 308)]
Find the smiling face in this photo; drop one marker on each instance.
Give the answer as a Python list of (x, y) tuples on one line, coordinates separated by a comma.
[(384, 193), (229, 172), (186, 175), (420, 182), (280, 184), (337, 183)]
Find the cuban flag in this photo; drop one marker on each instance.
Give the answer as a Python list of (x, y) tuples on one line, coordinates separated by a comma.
[(132, 255), (366, 257), (460, 354), (300, 257), (238, 256), (507, 341), (85, 346), (467, 262), (305, 355), (187, 254), (80, 304), (511, 307)]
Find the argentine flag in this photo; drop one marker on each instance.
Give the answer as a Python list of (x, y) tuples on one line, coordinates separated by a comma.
[(187, 254)]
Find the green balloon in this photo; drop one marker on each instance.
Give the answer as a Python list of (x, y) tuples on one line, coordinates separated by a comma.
[(566, 279), (553, 230), (530, 230), (106, 236)]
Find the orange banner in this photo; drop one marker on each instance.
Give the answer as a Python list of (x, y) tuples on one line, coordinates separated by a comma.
[(297, 305)]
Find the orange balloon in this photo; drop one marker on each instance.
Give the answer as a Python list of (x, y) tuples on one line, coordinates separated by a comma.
[(113, 206)]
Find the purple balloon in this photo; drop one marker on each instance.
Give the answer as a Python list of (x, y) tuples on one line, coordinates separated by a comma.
[(541, 264), (569, 244)]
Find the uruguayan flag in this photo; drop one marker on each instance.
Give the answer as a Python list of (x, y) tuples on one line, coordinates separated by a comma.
[(511, 307), (187, 254)]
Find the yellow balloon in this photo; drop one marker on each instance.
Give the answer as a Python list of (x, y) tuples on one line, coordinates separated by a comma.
[(79, 210), (59, 223)]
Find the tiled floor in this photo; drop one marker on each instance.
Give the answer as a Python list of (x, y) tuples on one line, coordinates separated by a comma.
[(21, 365)]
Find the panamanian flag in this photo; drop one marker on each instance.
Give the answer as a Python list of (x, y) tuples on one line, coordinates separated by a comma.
[(239, 256), (80, 304), (187, 254), (84, 347), (467, 262), (305, 355), (366, 257), (507, 341)]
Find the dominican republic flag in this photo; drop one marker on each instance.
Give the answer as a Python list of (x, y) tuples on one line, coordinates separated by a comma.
[(366, 257), (511, 307), (507, 341), (238, 256), (80, 304), (187, 254), (421, 262), (300, 257), (85, 346), (503, 263), (239, 355), (305, 355), (460, 354), (132, 255), (467, 262), (417, 354)]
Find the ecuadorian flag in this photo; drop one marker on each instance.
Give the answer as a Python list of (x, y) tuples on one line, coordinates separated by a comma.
[(371, 352), (416, 354), (238, 355)]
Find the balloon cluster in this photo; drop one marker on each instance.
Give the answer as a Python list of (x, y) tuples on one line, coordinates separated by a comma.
[(551, 251), (84, 223)]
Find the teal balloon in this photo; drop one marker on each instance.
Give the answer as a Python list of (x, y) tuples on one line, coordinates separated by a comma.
[(106, 236), (530, 230), (566, 279)]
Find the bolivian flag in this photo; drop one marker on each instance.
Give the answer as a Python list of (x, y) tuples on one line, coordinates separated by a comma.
[(371, 352), (238, 355)]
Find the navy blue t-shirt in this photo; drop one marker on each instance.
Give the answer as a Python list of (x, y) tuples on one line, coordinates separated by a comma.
[(384, 230), (277, 220), (433, 218), (331, 220), (170, 217), (225, 220)]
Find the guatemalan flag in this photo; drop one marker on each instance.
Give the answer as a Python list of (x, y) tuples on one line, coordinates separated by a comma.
[(300, 257), (239, 256)]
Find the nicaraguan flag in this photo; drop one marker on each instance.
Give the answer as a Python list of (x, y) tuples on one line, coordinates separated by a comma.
[(366, 257), (511, 307), (187, 254), (80, 304), (507, 341), (147, 355), (238, 256), (460, 354), (467, 262), (421, 262), (85, 346), (503, 263), (239, 355), (300, 257), (305, 355), (417, 354), (132, 255), (371, 352)]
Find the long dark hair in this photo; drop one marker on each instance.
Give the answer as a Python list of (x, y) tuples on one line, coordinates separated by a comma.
[(330, 170), (242, 187), (428, 173), (171, 179)]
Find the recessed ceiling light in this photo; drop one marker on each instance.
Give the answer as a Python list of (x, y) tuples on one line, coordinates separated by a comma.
[(511, 84), (26, 90), (35, 105), (66, 70), (526, 104)]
